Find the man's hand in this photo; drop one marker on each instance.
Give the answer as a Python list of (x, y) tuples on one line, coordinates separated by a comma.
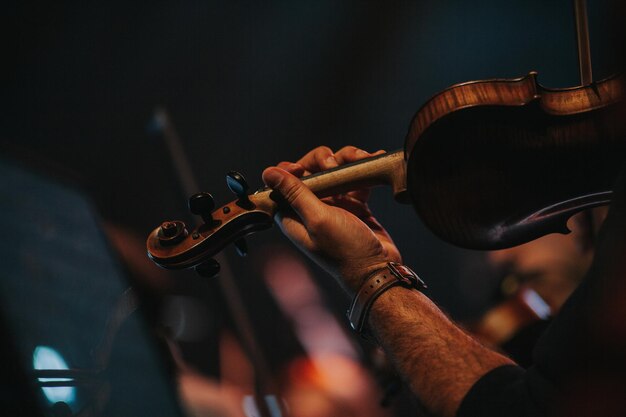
[(339, 232), (438, 360)]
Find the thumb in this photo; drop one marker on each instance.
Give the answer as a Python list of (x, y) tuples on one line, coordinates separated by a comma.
[(298, 196)]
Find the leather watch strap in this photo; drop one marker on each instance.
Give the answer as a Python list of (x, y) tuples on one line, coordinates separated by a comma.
[(380, 281)]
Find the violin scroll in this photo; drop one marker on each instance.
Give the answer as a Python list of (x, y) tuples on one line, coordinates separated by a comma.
[(228, 224)]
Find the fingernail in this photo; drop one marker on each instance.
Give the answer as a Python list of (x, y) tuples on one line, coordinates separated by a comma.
[(273, 178), (331, 161)]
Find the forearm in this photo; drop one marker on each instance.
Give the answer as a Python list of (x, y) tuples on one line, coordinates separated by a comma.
[(438, 359)]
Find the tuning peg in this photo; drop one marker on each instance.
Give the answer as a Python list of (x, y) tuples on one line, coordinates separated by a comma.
[(239, 186), (242, 247), (208, 269), (202, 204), (171, 232)]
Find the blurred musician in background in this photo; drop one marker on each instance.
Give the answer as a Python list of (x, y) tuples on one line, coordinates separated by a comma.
[(538, 277)]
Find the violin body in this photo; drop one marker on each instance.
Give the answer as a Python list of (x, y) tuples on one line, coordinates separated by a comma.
[(493, 164)]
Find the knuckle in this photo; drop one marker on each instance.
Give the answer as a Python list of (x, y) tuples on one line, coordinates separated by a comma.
[(348, 148), (323, 151), (351, 153), (315, 223), (292, 190), (324, 148)]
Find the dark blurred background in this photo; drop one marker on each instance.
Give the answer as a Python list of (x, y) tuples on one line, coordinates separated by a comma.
[(249, 84)]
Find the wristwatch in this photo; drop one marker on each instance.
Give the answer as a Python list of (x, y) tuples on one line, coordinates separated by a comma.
[(394, 274)]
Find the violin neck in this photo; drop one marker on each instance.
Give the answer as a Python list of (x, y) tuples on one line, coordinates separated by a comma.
[(386, 169)]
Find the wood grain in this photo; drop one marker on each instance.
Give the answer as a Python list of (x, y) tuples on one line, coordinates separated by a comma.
[(493, 164)]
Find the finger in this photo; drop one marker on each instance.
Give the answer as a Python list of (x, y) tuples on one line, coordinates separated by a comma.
[(350, 153), (291, 225), (295, 169), (296, 194), (319, 159), (360, 210), (362, 195), (349, 203)]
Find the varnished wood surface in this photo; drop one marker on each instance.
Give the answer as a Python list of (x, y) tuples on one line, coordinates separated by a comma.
[(493, 164), (388, 169), (513, 92), (496, 92), (582, 99)]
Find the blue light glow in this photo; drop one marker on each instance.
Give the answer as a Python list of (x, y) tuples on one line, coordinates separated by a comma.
[(47, 358)]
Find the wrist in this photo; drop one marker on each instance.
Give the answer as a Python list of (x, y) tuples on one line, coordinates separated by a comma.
[(377, 284), (362, 276), (356, 277), (393, 301)]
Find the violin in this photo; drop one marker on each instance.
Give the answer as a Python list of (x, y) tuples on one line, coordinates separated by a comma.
[(486, 164)]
